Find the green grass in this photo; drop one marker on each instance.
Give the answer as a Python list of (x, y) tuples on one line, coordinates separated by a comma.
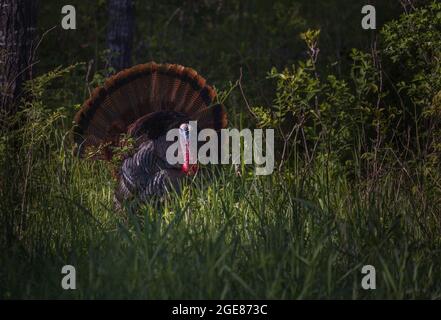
[(303, 233)]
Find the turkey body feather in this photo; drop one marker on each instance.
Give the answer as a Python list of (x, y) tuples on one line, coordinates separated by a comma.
[(144, 102), (146, 175)]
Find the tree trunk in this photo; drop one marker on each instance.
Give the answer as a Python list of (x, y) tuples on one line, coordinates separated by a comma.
[(17, 32), (120, 33)]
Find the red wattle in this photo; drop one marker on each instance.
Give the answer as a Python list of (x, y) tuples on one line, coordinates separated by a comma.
[(187, 168)]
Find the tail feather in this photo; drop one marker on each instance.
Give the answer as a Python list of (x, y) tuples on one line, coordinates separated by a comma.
[(214, 117), (141, 90)]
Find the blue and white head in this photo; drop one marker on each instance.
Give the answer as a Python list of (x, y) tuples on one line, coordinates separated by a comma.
[(185, 131)]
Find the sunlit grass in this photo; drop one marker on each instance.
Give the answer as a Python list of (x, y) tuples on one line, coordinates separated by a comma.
[(282, 236)]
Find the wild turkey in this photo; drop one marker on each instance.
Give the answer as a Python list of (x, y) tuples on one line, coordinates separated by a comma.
[(143, 103)]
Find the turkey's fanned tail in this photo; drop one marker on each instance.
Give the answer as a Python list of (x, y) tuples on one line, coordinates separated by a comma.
[(133, 94)]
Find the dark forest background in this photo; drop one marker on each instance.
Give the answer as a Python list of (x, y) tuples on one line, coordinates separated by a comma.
[(216, 38)]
